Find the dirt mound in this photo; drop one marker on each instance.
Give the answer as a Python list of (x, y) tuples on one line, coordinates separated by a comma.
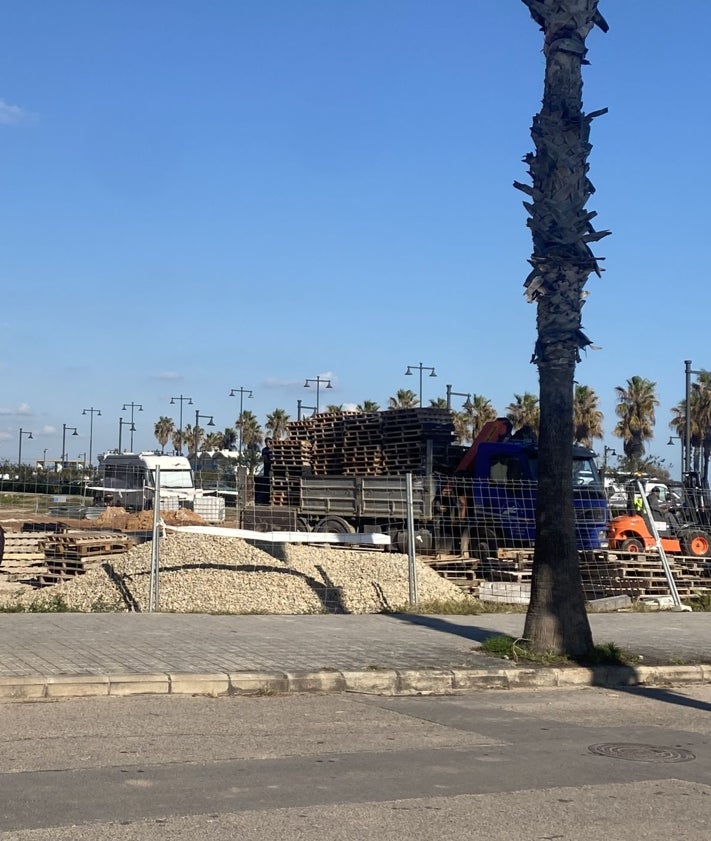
[(120, 519)]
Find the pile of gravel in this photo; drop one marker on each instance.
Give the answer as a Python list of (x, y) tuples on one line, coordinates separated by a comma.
[(211, 574)]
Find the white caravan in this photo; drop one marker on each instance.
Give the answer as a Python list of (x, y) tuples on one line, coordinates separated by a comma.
[(129, 480)]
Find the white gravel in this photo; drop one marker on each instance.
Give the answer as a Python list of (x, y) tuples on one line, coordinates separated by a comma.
[(211, 574)]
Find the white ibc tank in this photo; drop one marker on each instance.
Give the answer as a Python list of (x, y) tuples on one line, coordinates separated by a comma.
[(210, 508)]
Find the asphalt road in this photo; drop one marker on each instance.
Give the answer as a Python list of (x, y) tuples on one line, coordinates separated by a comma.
[(566, 764)]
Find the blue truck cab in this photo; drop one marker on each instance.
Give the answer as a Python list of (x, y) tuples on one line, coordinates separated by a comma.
[(504, 483)]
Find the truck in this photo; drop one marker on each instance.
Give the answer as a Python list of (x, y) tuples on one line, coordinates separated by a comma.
[(128, 480), (348, 473)]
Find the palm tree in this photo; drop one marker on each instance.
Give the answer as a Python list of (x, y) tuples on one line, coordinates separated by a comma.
[(635, 409), (524, 412), (333, 409), (438, 403), (369, 406), (163, 430), (404, 399), (229, 438), (192, 437), (587, 418), (177, 440), (699, 422), (213, 442), (252, 435), (561, 263), (277, 424), (480, 411)]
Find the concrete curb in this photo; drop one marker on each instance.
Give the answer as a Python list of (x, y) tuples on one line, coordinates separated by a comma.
[(371, 681)]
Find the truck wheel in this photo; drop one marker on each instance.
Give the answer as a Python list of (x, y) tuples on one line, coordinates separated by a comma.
[(696, 543), (483, 544), (302, 524), (424, 542), (631, 544), (337, 525)]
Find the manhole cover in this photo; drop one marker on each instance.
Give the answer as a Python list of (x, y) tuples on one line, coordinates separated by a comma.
[(641, 753)]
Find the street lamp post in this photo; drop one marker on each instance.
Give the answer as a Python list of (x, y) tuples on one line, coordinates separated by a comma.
[(91, 412), (670, 443), (300, 406), (606, 451), (420, 367), (210, 422), (132, 429), (181, 400), (319, 381), (64, 441), (241, 391), (467, 403), (19, 452), (132, 406)]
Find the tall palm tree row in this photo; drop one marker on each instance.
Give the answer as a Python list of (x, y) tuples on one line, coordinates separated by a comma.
[(562, 261), (636, 402)]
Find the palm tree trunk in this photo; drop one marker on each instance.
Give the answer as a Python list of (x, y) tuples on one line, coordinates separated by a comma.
[(562, 261)]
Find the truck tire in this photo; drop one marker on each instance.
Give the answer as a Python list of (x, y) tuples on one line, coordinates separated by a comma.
[(424, 542), (337, 525), (696, 543), (483, 543), (633, 545)]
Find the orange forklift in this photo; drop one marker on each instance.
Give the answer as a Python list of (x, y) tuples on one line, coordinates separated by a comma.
[(685, 530)]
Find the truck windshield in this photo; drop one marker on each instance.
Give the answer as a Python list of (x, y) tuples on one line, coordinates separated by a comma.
[(585, 472), (173, 479)]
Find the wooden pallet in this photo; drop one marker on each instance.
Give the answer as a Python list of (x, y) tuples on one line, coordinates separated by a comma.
[(77, 548)]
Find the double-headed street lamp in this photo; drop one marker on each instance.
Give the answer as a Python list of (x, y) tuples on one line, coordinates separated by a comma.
[(319, 382), (19, 453), (241, 391), (420, 367), (181, 399), (64, 441), (467, 403), (131, 427), (91, 412), (132, 406)]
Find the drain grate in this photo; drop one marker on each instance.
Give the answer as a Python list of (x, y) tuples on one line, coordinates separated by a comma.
[(641, 753)]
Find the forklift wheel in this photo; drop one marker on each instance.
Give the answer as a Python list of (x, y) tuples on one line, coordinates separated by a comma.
[(696, 543), (632, 545)]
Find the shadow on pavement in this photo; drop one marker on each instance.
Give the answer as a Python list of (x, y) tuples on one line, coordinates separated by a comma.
[(470, 632), (667, 696)]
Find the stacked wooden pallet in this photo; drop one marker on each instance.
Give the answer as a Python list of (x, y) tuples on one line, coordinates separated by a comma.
[(43, 558), (405, 433), (362, 448), (23, 557), (327, 433), (291, 459)]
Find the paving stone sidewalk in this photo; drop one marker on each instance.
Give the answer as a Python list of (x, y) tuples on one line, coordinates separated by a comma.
[(105, 650)]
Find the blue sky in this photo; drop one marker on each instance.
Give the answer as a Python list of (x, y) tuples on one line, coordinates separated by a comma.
[(202, 196)]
